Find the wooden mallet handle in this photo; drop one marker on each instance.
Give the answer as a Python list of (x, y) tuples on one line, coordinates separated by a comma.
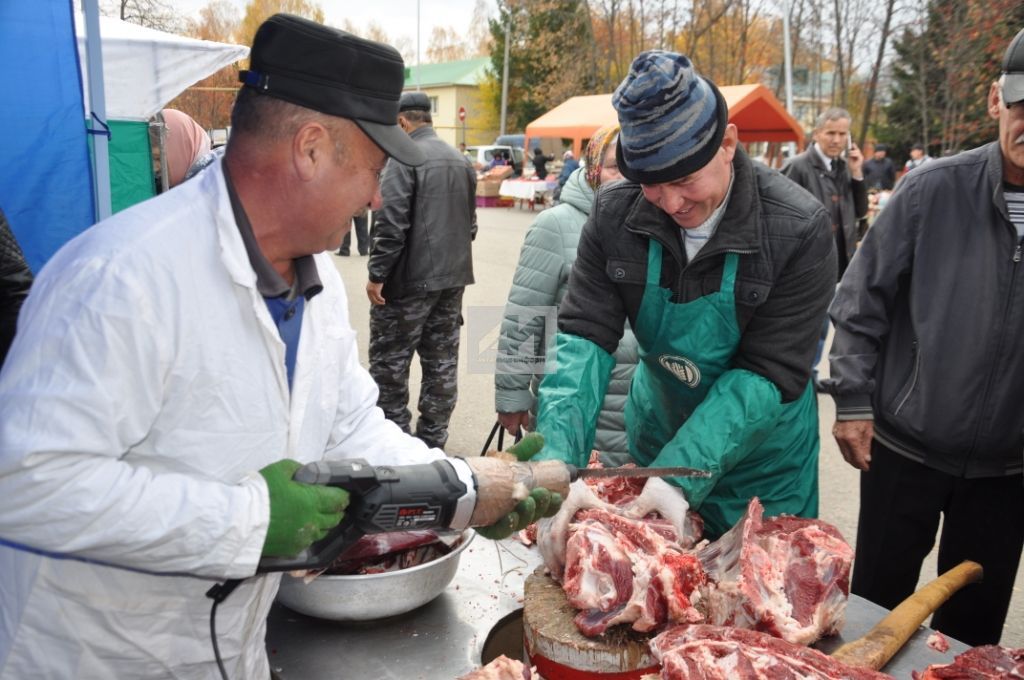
[(881, 643)]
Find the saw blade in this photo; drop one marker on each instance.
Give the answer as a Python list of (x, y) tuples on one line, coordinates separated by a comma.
[(584, 473)]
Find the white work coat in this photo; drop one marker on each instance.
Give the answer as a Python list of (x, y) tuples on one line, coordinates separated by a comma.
[(145, 389)]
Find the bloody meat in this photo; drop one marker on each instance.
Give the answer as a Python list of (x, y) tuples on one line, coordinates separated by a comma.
[(787, 576), (980, 663), (707, 652)]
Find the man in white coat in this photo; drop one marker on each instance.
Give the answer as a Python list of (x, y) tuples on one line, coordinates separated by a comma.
[(176, 363)]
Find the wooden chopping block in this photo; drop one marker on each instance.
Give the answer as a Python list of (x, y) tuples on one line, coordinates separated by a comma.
[(881, 643), (560, 652)]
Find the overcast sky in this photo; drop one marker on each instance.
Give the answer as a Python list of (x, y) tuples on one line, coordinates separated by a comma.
[(396, 17)]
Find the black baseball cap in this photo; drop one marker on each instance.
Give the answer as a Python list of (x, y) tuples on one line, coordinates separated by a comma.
[(1013, 71), (333, 72), (414, 101)]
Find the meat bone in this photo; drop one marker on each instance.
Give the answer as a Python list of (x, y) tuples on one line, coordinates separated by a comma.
[(881, 643)]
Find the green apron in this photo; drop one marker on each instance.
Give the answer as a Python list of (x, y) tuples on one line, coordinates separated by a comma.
[(754, 445)]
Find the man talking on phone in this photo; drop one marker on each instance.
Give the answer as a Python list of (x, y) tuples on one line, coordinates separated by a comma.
[(838, 183)]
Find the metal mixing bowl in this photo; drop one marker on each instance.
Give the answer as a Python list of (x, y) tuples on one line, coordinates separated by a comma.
[(372, 596)]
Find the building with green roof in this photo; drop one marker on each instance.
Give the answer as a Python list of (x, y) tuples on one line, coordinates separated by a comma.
[(452, 86)]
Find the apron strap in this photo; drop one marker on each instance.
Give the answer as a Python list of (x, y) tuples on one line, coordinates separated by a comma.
[(729, 273), (653, 263)]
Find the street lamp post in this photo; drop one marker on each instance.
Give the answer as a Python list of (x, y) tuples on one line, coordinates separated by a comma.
[(504, 75)]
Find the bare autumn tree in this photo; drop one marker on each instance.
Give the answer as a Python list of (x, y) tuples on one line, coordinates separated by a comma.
[(209, 101), (883, 35), (445, 44), (479, 37), (258, 11), (157, 14)]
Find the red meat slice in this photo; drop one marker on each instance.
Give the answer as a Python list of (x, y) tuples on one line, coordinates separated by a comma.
[(979, 663), (623, 570), (706, 652), (786, 576)]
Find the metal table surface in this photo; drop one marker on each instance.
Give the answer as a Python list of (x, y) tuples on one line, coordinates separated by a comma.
[(445, 638)]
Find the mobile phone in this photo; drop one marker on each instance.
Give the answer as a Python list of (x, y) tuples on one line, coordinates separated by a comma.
[(849, 145)]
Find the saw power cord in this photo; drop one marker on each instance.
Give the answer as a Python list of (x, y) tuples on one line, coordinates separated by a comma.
[(218, 594)]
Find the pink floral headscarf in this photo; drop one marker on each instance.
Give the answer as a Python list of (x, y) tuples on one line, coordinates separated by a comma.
[(596, 149)]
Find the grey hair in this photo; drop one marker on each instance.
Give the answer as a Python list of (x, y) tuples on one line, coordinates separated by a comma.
[(272, 118), (828, 115)]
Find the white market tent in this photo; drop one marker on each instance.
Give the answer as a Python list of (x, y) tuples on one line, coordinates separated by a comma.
[(143, 70)]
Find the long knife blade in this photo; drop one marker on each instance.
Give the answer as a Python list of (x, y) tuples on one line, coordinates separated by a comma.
[(584, 473)]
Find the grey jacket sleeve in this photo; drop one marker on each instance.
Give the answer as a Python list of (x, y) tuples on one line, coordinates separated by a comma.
[(863, 303), (392, 221), (537, 280)]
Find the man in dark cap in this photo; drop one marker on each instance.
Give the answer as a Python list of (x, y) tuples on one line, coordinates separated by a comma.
[(879, 171), (421, 260), (928, 376), (174, 366), (723, 269)]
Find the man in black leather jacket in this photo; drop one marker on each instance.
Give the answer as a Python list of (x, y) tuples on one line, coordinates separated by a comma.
[(928, 375), (15, 280), (420, 262)]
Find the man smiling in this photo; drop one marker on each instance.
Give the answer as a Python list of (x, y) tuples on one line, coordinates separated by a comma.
[(723, 269)]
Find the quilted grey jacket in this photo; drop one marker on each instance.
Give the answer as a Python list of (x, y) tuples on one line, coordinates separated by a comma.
[(540, 280)]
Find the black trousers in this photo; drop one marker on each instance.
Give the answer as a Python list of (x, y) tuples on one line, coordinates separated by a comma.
[(901, 502), (362, 237)]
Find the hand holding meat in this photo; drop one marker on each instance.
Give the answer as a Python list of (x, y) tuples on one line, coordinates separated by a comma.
[(553, 533), (854, 439), (667, 500)]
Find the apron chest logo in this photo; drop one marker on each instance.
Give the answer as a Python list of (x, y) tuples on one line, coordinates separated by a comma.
[(682, 368)]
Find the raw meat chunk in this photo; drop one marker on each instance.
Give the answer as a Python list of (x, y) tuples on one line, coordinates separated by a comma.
[(938, 642), (623, 570), (979, 663), (786, 576), (502, 668), (705, 652)]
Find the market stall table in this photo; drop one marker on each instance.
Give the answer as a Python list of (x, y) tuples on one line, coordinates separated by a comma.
[(445, 638), (534, 191)]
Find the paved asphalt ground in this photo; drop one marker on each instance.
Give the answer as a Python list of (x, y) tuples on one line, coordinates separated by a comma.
[(495, 254)]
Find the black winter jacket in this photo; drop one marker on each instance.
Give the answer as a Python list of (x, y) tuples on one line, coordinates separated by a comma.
[(422, 236), (786, 277), (15, 280), (808, 170), (929, 320)]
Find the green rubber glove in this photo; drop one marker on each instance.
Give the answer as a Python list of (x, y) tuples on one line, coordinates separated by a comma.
[(300, 514), (527, 447), (540, 503)]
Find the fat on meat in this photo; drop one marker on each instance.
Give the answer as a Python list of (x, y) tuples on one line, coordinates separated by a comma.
[(978, 663), (786, 576), (708, 652), (650, 499), (503, 668), (625, 570)]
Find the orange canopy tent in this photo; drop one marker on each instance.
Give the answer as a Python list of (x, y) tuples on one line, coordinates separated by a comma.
[(756, 112)]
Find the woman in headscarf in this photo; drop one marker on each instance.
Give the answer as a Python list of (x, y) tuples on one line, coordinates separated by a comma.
[(545, 260), (185, 142)]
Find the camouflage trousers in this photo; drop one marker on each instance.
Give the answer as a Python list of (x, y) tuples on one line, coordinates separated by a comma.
[(429, 326)]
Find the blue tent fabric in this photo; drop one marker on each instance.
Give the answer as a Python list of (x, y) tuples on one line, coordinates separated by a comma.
[(45, 171)]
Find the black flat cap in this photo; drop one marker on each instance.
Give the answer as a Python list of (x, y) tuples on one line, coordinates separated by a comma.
[(1013, 71), (333, 72), (414, 101)]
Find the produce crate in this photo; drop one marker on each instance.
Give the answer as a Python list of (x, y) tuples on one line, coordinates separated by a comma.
[(494, 202)]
